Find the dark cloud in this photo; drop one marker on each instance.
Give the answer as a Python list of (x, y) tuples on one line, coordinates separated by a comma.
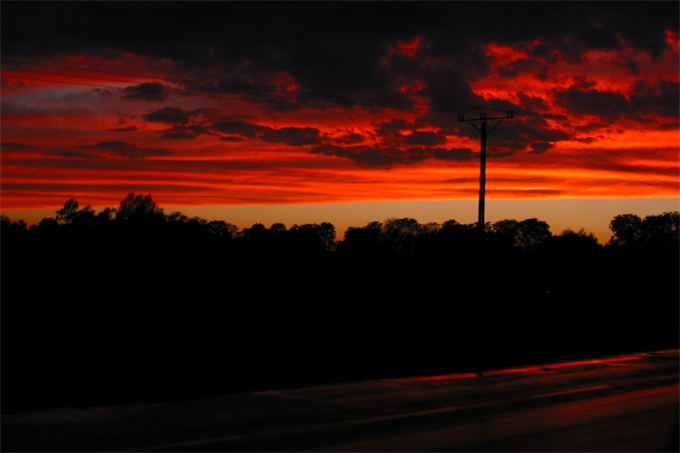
[(120, 148), (237, 129), (102, 92), (542, 51), (457, 154), (343, 48), (185, 132), (516, 135), (645, 27), (538, 129), (124, 129), (425, 139), (631, 65), (445, 124), (15, 146), (71, 154), (593, 102), (524, 66), (594, 35), (345, 69), (390, 156), (393, 128), (534, 103), (349, 138), (577, 27), (662, 98), (540, 147), (400, 131), (168, 115), (343, 51), (189, 124), (669, 126), (293, 136), (587, 140), (89, 27), (233, 126), (185, 124), (449, 89), (174, 134), (152, 91), (373, 156)]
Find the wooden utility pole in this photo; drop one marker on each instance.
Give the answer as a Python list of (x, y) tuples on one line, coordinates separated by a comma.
[(482, 166), (481, 224)]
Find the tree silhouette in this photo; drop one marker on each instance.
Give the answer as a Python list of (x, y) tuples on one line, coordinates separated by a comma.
[(253, 234), (138, 207), (48, 225), (506, 231), (222, 229), (570, 247), (105, 215), (400, 235), (627, 229), (460, 238), (661, 231), (531, 233), (70, 214), (654, 231), (362, 240), (326, 234), (313, 238), (12, 227)]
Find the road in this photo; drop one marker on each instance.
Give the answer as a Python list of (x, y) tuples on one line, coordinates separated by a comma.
[(623, 403)]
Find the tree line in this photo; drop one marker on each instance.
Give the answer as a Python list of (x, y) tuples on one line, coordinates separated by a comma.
[(393, 236), (133, 304)]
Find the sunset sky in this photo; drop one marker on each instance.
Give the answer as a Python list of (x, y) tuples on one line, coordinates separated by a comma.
[(342, 112)]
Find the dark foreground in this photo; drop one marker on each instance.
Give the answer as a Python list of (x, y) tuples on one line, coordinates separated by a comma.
[(144, 308), (621, 403), (83, 334)]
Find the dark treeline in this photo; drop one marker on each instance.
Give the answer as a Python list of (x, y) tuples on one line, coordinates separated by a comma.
[(131, 304)]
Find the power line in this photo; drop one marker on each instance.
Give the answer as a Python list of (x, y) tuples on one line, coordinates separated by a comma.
[(625, 170), (605, 150), (635, 162)]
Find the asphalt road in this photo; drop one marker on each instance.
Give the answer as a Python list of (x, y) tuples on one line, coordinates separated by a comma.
[(624, 403)]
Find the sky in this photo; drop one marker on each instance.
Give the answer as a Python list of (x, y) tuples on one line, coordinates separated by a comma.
[(346, 112)]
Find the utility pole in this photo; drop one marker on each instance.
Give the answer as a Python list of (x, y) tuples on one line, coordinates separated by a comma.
[(479, 353), (482, 166)]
